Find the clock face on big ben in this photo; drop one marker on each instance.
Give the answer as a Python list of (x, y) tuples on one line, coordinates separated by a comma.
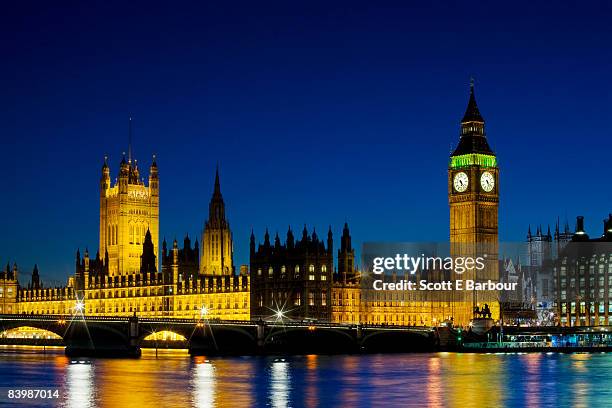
[(487, 181), (460, 182)]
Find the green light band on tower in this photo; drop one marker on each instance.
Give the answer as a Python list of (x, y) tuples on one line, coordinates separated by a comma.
[(464, 160)]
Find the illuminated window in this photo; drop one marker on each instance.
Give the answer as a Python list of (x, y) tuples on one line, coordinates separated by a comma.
[(324, 298), (311, 299), (323, 277), (297, 268), (283, 269), (311, 268), (298, 299), (259, 272), (324, 268), (311, 277), (270, 271)]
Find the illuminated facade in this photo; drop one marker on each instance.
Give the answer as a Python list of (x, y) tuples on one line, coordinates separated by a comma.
[(296, 277), (294, 280), (128, 209), (127, 280), (583, 278)]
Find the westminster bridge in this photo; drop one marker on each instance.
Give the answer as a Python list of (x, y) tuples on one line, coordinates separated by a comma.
[(124, 336)]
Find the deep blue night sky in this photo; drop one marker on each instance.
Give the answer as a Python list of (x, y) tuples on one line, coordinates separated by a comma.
[(316, 112)]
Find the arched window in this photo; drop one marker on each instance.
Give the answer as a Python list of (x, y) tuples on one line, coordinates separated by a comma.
[(324, 268), (311, 268)]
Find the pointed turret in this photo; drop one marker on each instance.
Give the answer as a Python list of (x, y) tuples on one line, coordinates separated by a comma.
[(473, 138), (290, 239), (529, 233), (252, 242), (14, 272), (345, 242), (216, 208), (154, 178), (472, 113), (148, 265), (186, 242), (217, 191), (35, 282), (346, 256)]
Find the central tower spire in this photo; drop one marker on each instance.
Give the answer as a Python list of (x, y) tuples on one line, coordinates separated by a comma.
[(217, 243), (130, 140)]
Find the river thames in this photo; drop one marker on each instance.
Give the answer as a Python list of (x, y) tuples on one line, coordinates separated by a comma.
[(438, 379)]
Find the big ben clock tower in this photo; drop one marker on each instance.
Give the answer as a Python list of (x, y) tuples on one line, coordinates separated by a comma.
[(473, 188), (473, 196)]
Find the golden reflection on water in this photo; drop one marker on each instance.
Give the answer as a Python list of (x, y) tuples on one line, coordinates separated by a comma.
[(580, 389), (311, 397), (174, 379), (233, 382), (143, 383), (435, 385), (474, 377)]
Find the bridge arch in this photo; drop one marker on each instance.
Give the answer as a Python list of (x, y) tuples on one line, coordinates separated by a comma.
[(58, 327), (397, 341), (223, 339), (164, 335), (310, 340), (30, 332)]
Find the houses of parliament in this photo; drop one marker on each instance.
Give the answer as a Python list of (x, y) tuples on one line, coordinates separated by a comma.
[(299, 276)]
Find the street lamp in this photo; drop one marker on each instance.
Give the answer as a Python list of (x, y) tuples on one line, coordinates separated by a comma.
[(80, 306)]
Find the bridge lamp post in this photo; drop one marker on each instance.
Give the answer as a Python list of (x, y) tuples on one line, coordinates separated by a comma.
[(204, 311), (79, 307), (280, 315)]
